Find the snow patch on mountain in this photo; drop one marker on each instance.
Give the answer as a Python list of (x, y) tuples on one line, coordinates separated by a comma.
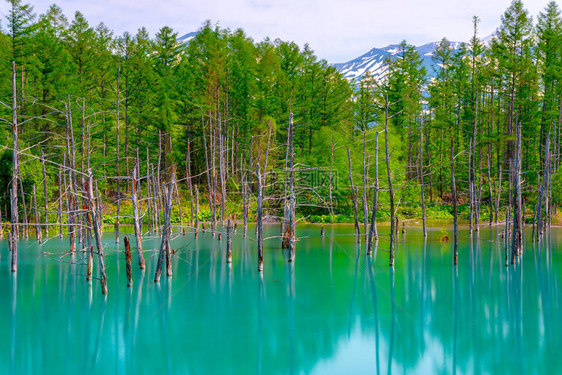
[(373, 61), (187, 37)]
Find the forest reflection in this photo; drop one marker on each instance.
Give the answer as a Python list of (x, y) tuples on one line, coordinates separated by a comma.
[(334, 310)]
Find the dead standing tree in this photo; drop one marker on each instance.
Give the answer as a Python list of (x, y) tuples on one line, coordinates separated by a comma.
[(118, 213), (15, 170), (259, 222), (95, 212), (517, 240), (165, 249), (292, 202), (421, 180), (136, 218), (373, 235), (353, 198), (38, 233), (390, 191), (454, 198), (45, 194)]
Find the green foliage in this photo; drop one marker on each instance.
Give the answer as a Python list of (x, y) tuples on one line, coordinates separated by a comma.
[(223, 99)]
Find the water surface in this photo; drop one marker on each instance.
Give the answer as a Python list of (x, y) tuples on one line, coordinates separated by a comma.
[(333, 311)]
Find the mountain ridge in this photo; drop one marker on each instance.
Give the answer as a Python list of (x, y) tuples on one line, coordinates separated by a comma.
[(373, 61)]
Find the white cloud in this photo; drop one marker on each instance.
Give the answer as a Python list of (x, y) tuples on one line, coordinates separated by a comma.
[(338, 30)]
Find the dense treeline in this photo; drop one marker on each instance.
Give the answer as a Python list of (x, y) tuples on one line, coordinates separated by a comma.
[(212, 108)]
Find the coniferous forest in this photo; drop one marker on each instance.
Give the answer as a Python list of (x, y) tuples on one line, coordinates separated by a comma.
[(118, 116)]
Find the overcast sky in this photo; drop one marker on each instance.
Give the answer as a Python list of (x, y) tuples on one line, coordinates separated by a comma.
[(337, 30)]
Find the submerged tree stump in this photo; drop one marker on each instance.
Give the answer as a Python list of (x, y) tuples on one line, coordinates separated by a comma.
[(228, 242), (128, 266)]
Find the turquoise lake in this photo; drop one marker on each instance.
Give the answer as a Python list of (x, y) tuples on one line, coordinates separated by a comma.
[(334, 311)]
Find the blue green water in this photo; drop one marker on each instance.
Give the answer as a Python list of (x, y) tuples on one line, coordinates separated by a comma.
[(334, 311)]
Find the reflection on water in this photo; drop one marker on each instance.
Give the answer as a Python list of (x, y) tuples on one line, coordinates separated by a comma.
[(333, 311)]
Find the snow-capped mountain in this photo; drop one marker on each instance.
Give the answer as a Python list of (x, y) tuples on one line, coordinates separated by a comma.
[(187, 37), (374, 61)]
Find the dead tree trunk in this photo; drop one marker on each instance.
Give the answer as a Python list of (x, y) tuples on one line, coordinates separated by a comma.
[(228, 241), (470, 189), (421, 179), (259, 222), (45, 193), (475, 202), (149, 208), (498, 195), (454, 198), (543, 189), (118, 180), (196, 208), (353, 198), (429, 172), (177, 190), (365, 189), (37, 214), (25, 224), (373, 228), (168, 223), (1, 225), (330, 181), (70, 205), (208, 170), (517, 230), (165, 241), (490, 190), (136, 216), (89, 237), (60, 202), (15, 174), (390, 192), (292, 202), (246, 199), (96, 219), (535, 212), (188, 178), (222, 171), (128, 266)]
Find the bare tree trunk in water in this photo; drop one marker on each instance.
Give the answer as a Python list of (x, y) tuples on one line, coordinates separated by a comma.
[(128, 266), (353, 198), (454, 198), (15, 173), (365, 189), (259, 219), (45, 194), (421, 179), (165, 240), (38, 233), (373, 228), (60, 202), (96, 219), (330, 181), (498, 195), (136, 215), (292, 202), (490, 190), (228, 241), (196, 208), (391, 193), (117, 165), (24, 225)]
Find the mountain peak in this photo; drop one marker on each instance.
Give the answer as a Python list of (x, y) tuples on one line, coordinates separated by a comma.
[(187, 37), (374, 61)]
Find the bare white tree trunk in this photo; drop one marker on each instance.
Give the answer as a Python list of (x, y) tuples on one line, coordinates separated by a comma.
[(15, 174), (136, 216), (94, 208), (259, 219)]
